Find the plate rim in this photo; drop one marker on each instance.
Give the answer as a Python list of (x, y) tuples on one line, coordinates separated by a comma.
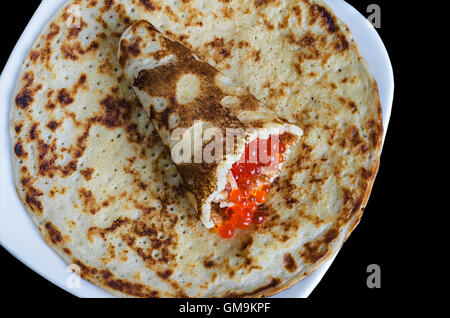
[(40, 18)]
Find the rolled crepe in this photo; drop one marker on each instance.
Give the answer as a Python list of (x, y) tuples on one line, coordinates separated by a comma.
[(200, 115)]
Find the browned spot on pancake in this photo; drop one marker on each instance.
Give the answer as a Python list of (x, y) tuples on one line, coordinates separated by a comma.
[(149, 5), (142, 185), (132, 48), (165, 275), (48, 156), (71, 224), (18, 150), (222, 49), (316, 249), (353, 106), (115, 111), (366, 174), (107, 4), (298, 68), (106, 67), (370, 123), (170, 14), (267, 84), (260, 3), (33, 203), (316, 11), (364, 148), (208, 263), (133, 134), (227, 12), (256, 55), (81, 80), (74, 51), (298, 12), (76, 28), (31, 193), (50, 93), (32, 135), (112, 254), (290, 202), (242, 44), (64, 97), (246, 244), (53, 125), (54, 233), (183, 37), (289, 263), (309, 40), (26, 95), (103, 232), (268, 25), (108, 279), (18, 128), (34, 55), (85, 270), (351, 204), (50, 106), (273, 283), (67, 251), (341, 43), (134, 289), (92, 3), (69, 52), (310, 44), (44, 52), (89, 203), (54, 31), (353, 136), (375, 131), (87, 173), (108, 201), (284, 22), (149, 226)]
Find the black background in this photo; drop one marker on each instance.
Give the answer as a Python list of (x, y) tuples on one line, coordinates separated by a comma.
[(384, 234)]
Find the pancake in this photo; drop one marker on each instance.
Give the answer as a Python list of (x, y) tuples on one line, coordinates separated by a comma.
[(101, 187), (189, 100)]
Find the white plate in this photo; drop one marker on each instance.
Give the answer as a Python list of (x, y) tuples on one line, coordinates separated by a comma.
[(20, 236)]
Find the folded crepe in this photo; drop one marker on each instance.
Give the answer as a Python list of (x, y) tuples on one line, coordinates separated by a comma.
[(227, 146)]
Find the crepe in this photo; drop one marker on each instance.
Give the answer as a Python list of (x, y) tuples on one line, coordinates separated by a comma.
[(101, 187), (181, 93)]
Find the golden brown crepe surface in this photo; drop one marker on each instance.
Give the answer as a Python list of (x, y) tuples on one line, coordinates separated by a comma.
[(97, 181)]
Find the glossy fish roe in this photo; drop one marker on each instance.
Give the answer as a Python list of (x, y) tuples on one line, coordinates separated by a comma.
[(252, 188)]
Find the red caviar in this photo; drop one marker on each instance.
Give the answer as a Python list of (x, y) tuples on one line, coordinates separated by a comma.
[(236, 196), (261, 196), (250, 193), (259, 217), (226, 230)]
